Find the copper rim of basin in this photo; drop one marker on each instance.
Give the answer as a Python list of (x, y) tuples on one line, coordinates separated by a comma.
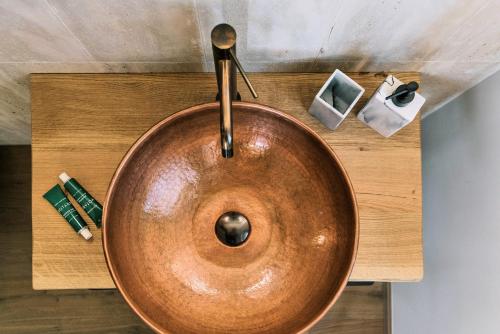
[(203, 107)]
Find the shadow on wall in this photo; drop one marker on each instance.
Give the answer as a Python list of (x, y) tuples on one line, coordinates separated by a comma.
[(427, 47)]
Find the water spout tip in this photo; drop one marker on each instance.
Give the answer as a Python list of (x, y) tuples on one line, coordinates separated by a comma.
[(227, 153)]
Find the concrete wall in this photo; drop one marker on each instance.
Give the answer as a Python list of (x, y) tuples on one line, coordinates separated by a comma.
[(460, 292), (455, 43)]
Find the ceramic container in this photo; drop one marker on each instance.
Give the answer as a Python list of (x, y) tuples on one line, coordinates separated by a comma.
[(335, 99)]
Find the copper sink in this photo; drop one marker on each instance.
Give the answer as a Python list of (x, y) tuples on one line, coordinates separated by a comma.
[(171, 188)]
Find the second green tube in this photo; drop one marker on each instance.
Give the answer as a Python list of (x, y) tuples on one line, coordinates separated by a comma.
[(86, 201)]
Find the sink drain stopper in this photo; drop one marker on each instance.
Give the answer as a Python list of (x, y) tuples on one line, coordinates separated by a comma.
[(232, 228)]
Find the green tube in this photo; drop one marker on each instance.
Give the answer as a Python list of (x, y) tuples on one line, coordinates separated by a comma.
[(61, 203), (86, 201)]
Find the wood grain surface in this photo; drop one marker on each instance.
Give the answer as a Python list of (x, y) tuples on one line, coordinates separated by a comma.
[(84, 123)]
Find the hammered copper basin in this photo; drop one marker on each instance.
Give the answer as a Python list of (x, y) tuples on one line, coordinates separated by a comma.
[(168, 193)]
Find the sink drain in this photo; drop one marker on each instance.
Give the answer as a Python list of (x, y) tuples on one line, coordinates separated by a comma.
[(232, 228)]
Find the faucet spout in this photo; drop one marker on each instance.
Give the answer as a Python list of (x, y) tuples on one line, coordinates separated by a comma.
[(225, 61)]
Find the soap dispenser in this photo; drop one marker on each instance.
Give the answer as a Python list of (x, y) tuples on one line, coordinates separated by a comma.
[(393, 106)]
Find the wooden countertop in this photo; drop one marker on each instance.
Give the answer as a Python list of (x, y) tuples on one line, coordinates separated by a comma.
[(84, 123)]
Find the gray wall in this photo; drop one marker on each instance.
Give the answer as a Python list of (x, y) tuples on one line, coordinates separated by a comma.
[(453, 42), (460, 292)]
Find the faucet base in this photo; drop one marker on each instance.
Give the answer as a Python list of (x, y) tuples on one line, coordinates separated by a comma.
[(238, 97)]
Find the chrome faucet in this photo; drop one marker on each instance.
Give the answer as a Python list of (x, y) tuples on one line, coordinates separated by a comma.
[(224, 50)]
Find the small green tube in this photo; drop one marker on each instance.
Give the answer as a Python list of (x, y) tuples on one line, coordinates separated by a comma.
[(86, 201), (61, 203)]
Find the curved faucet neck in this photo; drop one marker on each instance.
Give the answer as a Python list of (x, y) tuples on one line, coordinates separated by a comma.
[(225, 61)]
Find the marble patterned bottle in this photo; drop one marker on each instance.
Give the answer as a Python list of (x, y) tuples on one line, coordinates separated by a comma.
[(393, 106)]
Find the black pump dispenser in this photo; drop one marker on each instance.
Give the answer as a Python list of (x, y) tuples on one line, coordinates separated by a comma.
[(404, 94)]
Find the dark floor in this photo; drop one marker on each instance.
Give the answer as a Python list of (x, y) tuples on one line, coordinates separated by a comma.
[(361, 309)]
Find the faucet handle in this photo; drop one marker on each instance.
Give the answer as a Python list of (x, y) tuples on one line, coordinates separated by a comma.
[(243, 74)]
